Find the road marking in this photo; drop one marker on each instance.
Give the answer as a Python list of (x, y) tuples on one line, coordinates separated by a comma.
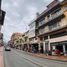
[(6, 64), (38, 64)]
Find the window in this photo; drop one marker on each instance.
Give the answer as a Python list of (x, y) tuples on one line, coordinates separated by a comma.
[(45, 37), (57, 10), (65, 8), (53, 26), (41, 22), (41, 31), (32, 25), (58, 34), (48, 16)]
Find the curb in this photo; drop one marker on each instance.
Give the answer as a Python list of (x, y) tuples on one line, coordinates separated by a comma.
[(45, 57)]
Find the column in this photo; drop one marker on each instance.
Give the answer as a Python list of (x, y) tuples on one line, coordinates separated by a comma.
[(39, 47), (64, 50), (0, 27), (49, 42), (44, 46)]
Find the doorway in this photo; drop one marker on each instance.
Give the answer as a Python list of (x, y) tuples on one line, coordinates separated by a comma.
[(60, 47)]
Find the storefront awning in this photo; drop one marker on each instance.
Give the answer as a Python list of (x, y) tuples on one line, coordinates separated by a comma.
[(59, 43), (58, 39)]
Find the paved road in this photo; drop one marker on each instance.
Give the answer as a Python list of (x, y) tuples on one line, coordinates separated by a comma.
[(17, 58)]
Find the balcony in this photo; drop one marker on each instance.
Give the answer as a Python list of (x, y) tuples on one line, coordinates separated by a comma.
[(41, 23), (41, 31), (65, 8), (55, 29), (53, 17)]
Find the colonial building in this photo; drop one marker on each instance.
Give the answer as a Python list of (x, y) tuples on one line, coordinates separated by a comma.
[(17, 40), (32, 38), (51, 27), (26, 37), (26, 41)]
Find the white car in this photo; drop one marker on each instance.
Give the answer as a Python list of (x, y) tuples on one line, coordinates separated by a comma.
[(7, 48)]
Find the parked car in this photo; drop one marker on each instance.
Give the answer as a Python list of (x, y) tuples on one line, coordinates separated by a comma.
[(7, 48)]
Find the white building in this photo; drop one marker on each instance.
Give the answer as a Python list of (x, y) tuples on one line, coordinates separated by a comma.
[(32, 32), (32, 38)]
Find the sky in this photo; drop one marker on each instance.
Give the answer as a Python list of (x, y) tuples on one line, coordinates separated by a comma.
[(19, 13)]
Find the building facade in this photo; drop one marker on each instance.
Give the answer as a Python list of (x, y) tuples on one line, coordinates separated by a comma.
[(32, 37), (17, 40), (26, 41), (51, 27), (2, 16)]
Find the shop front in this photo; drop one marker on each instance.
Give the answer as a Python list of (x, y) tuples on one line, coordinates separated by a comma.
[(34, 47), (61, 46)]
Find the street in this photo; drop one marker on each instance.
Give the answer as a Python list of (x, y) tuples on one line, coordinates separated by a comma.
[(17, 58)]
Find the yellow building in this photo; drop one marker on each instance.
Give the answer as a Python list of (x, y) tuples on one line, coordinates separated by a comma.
[(17, 39), (51, 27)]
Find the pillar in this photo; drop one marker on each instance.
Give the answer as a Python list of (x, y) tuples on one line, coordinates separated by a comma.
[(44, 47), (64, 50), (0, 27), (49, 42), (39, 47)]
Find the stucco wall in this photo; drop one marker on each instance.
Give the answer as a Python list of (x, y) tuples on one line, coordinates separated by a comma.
[(63, 22)]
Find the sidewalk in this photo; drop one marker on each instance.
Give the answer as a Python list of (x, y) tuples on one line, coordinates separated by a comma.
[(57, 58), (1, 57)]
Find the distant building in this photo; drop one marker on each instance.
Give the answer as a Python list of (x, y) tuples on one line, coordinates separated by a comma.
[(51, 27), (26, 41), (32, 31), (26, 37), (17, 40)]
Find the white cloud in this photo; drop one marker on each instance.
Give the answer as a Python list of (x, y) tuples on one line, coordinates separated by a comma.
[(19, 13), (7, 18), (15, 14), (15, 3)]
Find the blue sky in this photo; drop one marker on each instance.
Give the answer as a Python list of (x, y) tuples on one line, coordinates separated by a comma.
[(19, 13)]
